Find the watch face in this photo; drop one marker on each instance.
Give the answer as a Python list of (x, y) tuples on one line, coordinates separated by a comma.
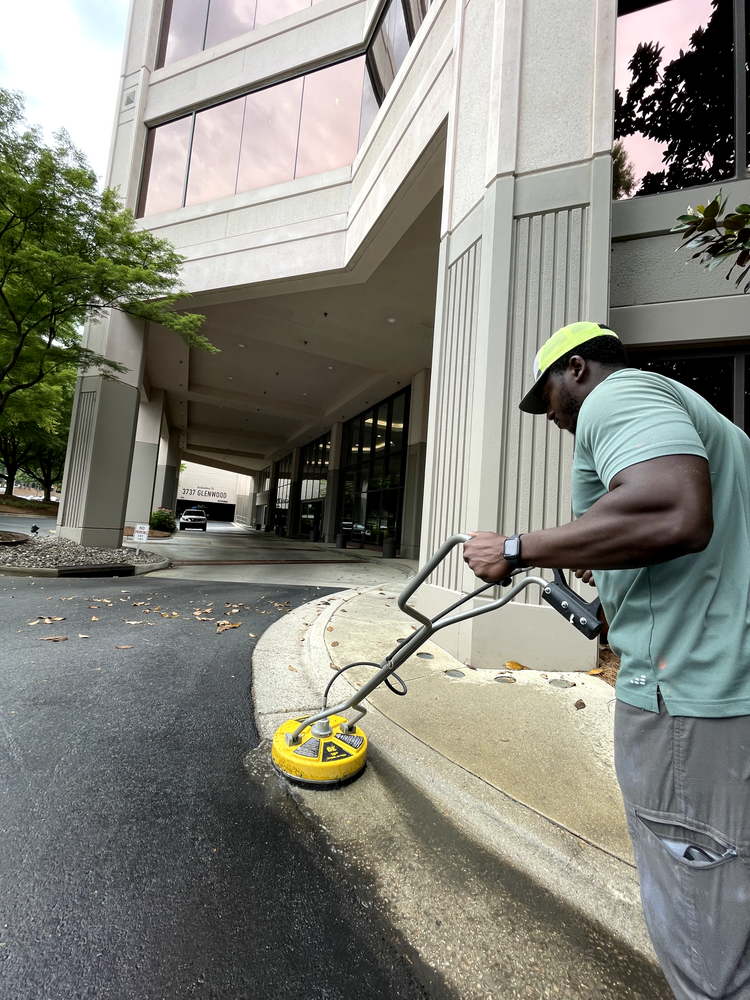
[(511, 548)]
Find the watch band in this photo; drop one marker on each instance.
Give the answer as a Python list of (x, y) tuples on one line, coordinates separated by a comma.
[(512, 551)]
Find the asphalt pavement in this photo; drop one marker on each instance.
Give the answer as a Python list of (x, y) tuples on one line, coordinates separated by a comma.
[(141, 858), (23, 523)]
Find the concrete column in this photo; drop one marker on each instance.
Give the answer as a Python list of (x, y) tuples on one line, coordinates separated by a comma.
[(411, 515), (524, 250), (145, 459), (332, 484), (101, 438), (168, 467)]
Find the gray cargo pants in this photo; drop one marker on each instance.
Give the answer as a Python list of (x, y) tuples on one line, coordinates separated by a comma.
[(686, 786)]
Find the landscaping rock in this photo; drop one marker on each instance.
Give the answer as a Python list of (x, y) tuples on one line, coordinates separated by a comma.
[(51, 552)]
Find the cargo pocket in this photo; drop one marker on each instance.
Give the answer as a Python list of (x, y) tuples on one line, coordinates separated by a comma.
[(696, 897)]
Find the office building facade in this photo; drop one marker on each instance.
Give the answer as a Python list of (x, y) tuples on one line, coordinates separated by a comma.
[(384, 209)]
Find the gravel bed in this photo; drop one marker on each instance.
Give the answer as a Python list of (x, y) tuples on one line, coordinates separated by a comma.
[(49, 552)]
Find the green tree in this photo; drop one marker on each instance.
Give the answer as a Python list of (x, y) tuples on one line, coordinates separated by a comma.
[(68, 252), (623, 173), (46, 461), (688, 105), (34, 431)]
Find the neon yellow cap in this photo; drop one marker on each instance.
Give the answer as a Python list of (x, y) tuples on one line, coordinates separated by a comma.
[(564, 340)]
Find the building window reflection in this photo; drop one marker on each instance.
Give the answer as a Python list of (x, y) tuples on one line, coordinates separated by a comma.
[(190, 26), (308, 125), (720, 375), (314, 459), (283, 494), (299, 127), (676, 120), (372, 483)]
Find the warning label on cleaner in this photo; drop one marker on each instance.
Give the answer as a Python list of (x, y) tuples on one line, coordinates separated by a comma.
[(351, 740), (309, 749), (332, 751)]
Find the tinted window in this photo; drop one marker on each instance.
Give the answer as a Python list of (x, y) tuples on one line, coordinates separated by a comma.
[(674, 98), (272, 10), (184, 29), (215, 152), (269, 136), (166, 163), (229, 19), (329, 127)]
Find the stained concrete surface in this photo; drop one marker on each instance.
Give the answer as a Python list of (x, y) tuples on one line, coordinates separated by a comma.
[(140, 860), (525, 737)]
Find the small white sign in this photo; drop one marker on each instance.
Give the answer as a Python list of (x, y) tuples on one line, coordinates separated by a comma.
[(140, 533)]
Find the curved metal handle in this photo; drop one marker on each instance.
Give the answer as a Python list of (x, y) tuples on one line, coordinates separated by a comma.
[(416, 582)]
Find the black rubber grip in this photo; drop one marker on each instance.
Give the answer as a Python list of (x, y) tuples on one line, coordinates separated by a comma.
[(585, 617)]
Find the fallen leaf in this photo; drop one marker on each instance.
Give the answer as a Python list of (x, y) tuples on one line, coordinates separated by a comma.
[(175, 614), (293, 669), (580, 704), (124, 600), (252, 636), (134, 623), (94, 618), (223, 626), (138, 604), (596, 671), (94, 607), (334, 644), (35, 622), (164, 614), (82, 636), (53, 638), (334, 667), (330, 628), (513, 665), (123, 647)]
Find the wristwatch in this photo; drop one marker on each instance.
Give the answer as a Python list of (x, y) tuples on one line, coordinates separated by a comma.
[(512, 551)]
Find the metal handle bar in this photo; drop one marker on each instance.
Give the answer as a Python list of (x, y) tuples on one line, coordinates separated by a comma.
[(552, 591)]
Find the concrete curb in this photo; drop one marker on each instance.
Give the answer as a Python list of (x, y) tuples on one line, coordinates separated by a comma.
[(54, 571), (291, 667)]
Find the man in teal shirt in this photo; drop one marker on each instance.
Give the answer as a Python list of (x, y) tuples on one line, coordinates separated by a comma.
[(661, 498)]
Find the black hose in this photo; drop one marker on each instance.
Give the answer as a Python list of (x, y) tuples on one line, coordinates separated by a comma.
[(365, 663)]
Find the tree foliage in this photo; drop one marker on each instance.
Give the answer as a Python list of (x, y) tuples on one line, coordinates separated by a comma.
[(623, 172), (68, 252), (34, 432), (688, 105), (701, 230)]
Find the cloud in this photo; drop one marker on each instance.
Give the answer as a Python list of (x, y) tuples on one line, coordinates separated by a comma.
[(65, 57)]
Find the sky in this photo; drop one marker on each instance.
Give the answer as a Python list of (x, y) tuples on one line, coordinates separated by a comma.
[(671, 24), (65, 57)]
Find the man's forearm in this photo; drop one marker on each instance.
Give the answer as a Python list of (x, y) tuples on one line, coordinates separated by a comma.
[(606, 537)]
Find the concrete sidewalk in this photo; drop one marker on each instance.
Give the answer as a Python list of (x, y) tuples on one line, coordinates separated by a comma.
[(518, 766), (235, 554)]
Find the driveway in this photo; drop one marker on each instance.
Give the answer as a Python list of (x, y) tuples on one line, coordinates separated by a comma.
[(141, 860)]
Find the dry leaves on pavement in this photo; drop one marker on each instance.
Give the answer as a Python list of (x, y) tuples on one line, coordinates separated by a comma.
[(53, 638), (222, 626), (123, 647)]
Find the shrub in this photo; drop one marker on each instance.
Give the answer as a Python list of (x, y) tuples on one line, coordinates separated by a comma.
[(163, 519)]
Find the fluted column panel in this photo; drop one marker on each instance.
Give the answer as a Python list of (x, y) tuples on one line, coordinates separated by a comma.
[(454, 388), (549, 283)]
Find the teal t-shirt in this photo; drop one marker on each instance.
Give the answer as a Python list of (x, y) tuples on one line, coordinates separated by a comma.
[(681, 627)]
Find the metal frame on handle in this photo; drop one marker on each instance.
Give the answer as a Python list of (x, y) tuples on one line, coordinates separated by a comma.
[(405, 649)]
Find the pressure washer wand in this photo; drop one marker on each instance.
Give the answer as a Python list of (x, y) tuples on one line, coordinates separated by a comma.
[(556, 592)]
